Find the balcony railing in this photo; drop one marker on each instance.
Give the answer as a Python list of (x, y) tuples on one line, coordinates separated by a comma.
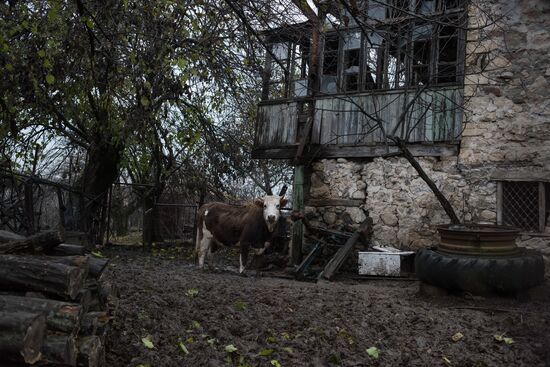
[(367, 119)]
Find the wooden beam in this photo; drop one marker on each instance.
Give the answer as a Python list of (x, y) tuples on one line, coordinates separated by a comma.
[(338, 259), (297, 205), (499, 202), (355, 151), (542, 207), (334, 202)]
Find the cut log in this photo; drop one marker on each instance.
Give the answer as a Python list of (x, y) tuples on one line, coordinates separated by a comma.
[(84, 298), (107, 292), (67, 249), (79, 261), (95, 323), (97, 266), (91, 352), (60, 350), (40, 242), (103, 294), (60, 316), (28, 273), (7, 236), (21, 336)]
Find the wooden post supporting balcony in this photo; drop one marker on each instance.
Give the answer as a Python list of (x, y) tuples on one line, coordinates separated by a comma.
[(297, 205)]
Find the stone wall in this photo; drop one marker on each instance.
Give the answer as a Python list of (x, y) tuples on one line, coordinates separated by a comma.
[(506, 133)]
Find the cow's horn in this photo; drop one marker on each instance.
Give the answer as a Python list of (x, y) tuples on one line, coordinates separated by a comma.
[(283, 191)]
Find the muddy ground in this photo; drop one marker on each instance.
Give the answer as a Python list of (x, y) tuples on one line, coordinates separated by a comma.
[(223, 319)]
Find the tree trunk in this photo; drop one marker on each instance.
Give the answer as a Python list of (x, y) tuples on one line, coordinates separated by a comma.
[(21, 336), (100, 173), (7, 236), (91, 352), (40, 274), (39, 242), (60, 316), (60, 349)]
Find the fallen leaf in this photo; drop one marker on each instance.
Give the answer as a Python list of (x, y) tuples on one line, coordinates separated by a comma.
[(446, 360), (275, 363), (183, 348), (230, 348), (457, 336), (97, 254), (211, 341), (288, 350), (240, 306), (502, 338), (192, 292), (266, 352), (373, 352), (147, 342), (271, 339), (196, 324), (285, 335)]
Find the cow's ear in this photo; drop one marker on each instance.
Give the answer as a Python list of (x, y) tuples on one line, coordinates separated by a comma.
[(283, 202), (259, 202)]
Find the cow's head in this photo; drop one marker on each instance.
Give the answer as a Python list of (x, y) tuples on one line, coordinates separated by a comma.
[(272, 205)]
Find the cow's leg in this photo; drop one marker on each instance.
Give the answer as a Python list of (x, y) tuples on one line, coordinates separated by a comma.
[(243, 257), (197, 245), (205, 245), (204, 250), (211, 258)]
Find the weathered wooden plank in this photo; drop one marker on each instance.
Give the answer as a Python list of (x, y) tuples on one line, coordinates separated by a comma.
[(316, 128), (542, 207), (434, 116), (357, 151), (499, 202), (334, 202), (297, 205)]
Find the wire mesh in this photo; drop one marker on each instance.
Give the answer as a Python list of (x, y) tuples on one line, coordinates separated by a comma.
[(520, 205)]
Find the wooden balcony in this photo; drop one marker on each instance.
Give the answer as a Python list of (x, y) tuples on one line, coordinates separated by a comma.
[(357, 125)]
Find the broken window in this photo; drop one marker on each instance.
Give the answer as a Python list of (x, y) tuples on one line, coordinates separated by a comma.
[(287, 67), (329, 75), (398, 50), (299, 70), (523, 205), (392, 47), (373, 55), (278, 70), (352, 50)]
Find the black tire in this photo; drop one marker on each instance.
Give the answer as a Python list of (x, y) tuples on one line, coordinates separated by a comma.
[(481, 275)]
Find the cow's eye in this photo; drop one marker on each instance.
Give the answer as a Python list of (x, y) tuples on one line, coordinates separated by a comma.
[(277, 206), (265, 205)]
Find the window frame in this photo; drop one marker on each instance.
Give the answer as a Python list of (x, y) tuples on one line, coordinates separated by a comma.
[(405, 27), (543, 203)]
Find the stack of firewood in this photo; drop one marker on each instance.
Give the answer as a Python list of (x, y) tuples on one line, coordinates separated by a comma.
[(54, 307)]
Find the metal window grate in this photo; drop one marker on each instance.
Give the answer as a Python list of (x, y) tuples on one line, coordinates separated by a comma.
[(520, 205)]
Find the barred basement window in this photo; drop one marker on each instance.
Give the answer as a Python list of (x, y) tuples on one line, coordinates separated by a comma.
[(523, 204)]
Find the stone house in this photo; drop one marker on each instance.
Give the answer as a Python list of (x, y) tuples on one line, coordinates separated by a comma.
[(465, 83)]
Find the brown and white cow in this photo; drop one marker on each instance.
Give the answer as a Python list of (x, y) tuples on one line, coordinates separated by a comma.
[(250, 226)]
